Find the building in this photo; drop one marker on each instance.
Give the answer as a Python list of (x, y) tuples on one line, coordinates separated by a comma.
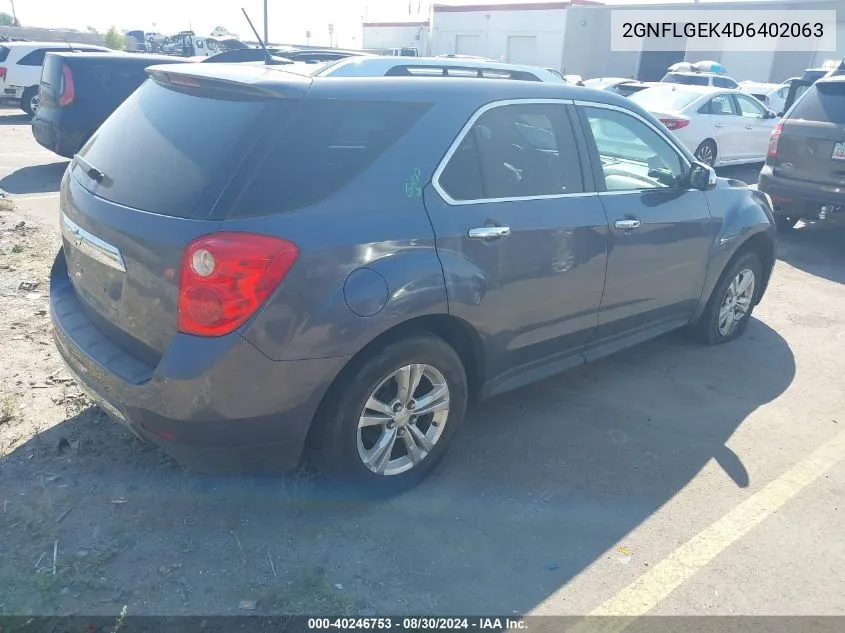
[(390, 35), (574, 37), (528, 33), (34, 34)]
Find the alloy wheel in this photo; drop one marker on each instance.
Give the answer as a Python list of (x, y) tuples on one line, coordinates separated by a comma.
[(736, 302), (403, 419), (705, 154)]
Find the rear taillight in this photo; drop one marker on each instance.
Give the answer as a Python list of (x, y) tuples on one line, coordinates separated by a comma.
[(675, 124), (3, 73), (773, 141), (66, 90), (225, 277)]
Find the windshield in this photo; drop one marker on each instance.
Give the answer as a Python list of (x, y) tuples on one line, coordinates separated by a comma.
[(664, 98), (689, 80)]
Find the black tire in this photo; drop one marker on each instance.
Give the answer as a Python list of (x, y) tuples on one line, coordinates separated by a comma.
[(333, 444), (706, 329), (786, 222), (707, 149), (26, 100)]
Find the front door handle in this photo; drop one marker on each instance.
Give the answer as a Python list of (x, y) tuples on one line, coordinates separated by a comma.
[(718, 125), (749, 127), (489, 232), (628, 224)]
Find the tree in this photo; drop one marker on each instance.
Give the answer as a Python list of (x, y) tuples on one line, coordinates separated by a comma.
[(115, 39), (91, 29), (6, 19)]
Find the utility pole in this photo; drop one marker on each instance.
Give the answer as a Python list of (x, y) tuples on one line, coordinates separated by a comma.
[(266, 26), (14, 15)]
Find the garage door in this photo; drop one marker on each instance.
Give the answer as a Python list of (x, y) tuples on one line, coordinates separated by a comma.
[(522, 49), (468, 45)]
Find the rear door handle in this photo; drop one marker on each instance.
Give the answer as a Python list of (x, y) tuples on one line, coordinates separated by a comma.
[(489, 232), (628, 224), (718, 125), (749, 127)]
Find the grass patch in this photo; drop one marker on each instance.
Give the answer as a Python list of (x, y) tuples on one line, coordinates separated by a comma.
[(311, 593), (7, 411), (17, 248)]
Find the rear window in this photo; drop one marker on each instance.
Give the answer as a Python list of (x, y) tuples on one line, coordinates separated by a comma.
[(664, 98), (4, 53), (824, 101), (689, 80), (325, 146), (163, 150)]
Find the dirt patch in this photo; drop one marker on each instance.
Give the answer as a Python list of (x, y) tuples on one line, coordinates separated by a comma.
[(93, 519)]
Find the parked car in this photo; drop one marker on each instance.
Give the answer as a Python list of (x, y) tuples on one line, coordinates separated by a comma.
[(618, 85), (80, 90), (378, 66), (20, 68), (696, 78), (773, 96), (720, 127), (805, 166), (266, 262)]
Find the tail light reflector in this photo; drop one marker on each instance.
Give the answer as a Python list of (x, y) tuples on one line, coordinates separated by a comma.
[(773, 141), (67, 92), (225, 277), (675, 124), (3, 73)]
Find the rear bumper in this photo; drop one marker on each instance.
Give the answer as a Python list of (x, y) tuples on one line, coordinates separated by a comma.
[(215, 405), (62, 141), (796, 197), (12, 92)]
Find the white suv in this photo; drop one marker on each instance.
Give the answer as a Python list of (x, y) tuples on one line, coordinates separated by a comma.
[(714, 80), (20, 68)]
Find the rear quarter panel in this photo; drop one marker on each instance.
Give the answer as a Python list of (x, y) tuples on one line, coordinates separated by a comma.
[(368, 247)]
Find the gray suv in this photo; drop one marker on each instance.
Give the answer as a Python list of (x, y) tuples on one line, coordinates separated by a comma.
[(285, 264)]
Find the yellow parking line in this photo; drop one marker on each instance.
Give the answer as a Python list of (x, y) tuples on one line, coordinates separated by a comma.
[(642, 595)]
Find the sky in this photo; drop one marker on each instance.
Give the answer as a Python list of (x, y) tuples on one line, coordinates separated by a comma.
[(289, 20)]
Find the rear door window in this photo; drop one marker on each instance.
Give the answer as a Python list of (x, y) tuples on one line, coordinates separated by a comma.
[(36, 57), (824, 102), (167, 151), (324, 147), (4, 53), (515, 151)]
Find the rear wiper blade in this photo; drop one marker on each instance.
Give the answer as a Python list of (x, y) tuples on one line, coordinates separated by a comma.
[(93, 173)]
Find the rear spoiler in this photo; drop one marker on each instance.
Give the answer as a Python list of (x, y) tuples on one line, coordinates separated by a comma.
[(242, 80)]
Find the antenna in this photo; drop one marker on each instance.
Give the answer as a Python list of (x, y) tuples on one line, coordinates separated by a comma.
[(268, 58), (70, 46)]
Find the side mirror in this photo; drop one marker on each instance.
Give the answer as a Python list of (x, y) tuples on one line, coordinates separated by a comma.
[(771, 115), (702, 177)]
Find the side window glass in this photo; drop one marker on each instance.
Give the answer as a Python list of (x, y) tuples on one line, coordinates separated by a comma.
[(749, 108), (721, 105), (515, 151), (783, 92), (633, 155), (36, 57)]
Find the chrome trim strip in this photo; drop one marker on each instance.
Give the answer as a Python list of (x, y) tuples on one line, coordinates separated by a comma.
[(435, 179), (88, 243)]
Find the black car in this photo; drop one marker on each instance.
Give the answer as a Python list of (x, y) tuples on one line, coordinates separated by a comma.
[(804, 172), (80, 90)]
